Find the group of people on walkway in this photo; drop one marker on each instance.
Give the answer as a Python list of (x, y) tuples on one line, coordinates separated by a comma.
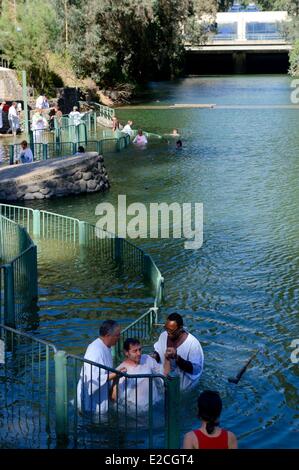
[(13, 114), (176, 350)]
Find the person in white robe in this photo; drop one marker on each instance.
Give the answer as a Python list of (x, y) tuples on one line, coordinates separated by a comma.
[(94, 384), (176, 344), (135, 392)]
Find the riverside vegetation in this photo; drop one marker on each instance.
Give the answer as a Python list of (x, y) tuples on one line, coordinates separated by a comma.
[(112, 42)]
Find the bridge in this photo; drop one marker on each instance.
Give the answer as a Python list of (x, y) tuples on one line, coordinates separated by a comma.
[(243, 36)]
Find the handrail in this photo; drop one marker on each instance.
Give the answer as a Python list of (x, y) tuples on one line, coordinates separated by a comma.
[(31, 337)]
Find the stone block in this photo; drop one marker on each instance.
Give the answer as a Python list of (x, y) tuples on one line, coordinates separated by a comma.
[(28, 196), (32, 189), (45, 191), (38, 195), (78, 175), (87, 176), (91, 184), (51, 184)]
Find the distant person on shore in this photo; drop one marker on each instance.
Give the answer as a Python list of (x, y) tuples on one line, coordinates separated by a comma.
[(2, 105), (209, 435), (75, 117), (128, 128), (80, 150), (13, 119), (115, 124), (39, 124), (41, 102), (140, 139), (26, 155), (175, 133)]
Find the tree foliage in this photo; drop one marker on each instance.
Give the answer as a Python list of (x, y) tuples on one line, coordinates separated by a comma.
[(111, 41), (130, 40), (27, 32)]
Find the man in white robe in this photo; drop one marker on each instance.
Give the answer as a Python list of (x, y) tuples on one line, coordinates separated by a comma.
[(132, 391), (177, 344), (94, 384)]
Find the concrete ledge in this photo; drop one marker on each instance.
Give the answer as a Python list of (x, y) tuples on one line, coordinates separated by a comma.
[(54, 178)]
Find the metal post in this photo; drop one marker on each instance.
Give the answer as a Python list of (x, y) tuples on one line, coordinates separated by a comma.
[(99, 147), (34, 274), (36, 223), (11, 154), (45, 151), (25, 100), (172, 407), (147, 267), (9, 296), (82, 233), (117, 249), (61, 395), (31, 140)]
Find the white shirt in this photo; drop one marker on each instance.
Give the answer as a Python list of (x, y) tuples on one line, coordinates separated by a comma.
[(147, 365), (39, 102), (93, 385), (38, 122), (190, 350), (127, 130), (12, 113), (75, 118), (140, 140), (26, 156)]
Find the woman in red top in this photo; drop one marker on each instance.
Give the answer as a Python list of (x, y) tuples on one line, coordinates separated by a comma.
[(210, 435)]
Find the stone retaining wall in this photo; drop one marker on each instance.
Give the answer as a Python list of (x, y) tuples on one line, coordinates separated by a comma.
[(54, 178)]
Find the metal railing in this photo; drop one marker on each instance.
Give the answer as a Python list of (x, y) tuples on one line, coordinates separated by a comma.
[(48, 393), (60, 149), (139, 415), (27, 389), (18, 273), (48, 225), (21, 275)]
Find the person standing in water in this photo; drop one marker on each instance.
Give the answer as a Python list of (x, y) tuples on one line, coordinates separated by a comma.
[(210, 435)]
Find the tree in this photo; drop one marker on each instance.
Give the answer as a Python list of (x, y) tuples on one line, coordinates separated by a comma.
[(27, 36)]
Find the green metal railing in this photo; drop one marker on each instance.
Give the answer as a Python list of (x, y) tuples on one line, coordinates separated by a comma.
[(51, 226), (42, 151), (18, 272), (27, 389), (48, 225), (103, 111), (44, 397), (136, 417)]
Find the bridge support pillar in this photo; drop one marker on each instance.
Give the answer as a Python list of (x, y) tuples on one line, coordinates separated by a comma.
[(239, 60)]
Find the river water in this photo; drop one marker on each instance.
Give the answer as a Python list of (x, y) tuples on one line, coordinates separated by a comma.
[(239, 291)]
